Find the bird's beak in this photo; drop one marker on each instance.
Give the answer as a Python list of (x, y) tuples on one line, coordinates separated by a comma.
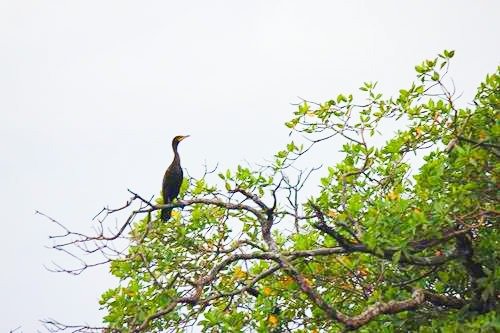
[(185, 136)]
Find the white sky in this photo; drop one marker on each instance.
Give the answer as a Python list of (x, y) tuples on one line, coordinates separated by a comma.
[(91, 93)]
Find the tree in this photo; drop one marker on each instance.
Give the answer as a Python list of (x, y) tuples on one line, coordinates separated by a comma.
[(377, 246)]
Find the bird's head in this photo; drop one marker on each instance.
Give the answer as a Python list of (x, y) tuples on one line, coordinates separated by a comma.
[(179, 138)]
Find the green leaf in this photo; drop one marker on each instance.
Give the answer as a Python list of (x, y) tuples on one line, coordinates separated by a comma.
[(396, 257), (341, 98), (420, 69), (449, 54)]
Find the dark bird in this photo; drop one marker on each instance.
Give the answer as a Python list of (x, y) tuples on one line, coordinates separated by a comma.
[(172, 179)]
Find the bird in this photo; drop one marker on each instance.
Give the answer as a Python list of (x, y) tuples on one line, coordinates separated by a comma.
[(172, 179)]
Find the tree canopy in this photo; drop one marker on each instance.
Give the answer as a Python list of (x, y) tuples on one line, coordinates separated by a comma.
[(400, 233)]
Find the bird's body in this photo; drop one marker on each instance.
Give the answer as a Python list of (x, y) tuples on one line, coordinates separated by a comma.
[(172, 180)]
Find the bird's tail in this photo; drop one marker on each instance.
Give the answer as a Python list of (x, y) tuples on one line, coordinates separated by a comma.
[(166, 213)]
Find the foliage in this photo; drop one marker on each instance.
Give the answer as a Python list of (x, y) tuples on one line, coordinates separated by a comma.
[(401, 235)]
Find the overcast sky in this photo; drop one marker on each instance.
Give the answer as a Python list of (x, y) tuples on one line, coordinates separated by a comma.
[(92, 92)]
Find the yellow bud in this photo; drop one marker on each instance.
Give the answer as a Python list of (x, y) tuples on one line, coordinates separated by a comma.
[(332, 213), (273, 320), (419, 132), (286, 281), (363, 271), (393, 196), (239, 273)]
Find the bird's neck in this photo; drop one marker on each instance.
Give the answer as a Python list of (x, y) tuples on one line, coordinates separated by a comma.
[(176, 154)]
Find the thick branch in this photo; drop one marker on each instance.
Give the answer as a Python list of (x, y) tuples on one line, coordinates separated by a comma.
[(417, 298), (214, 202)]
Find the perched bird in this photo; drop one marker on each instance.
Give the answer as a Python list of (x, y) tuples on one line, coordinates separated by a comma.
[(172, 179)]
